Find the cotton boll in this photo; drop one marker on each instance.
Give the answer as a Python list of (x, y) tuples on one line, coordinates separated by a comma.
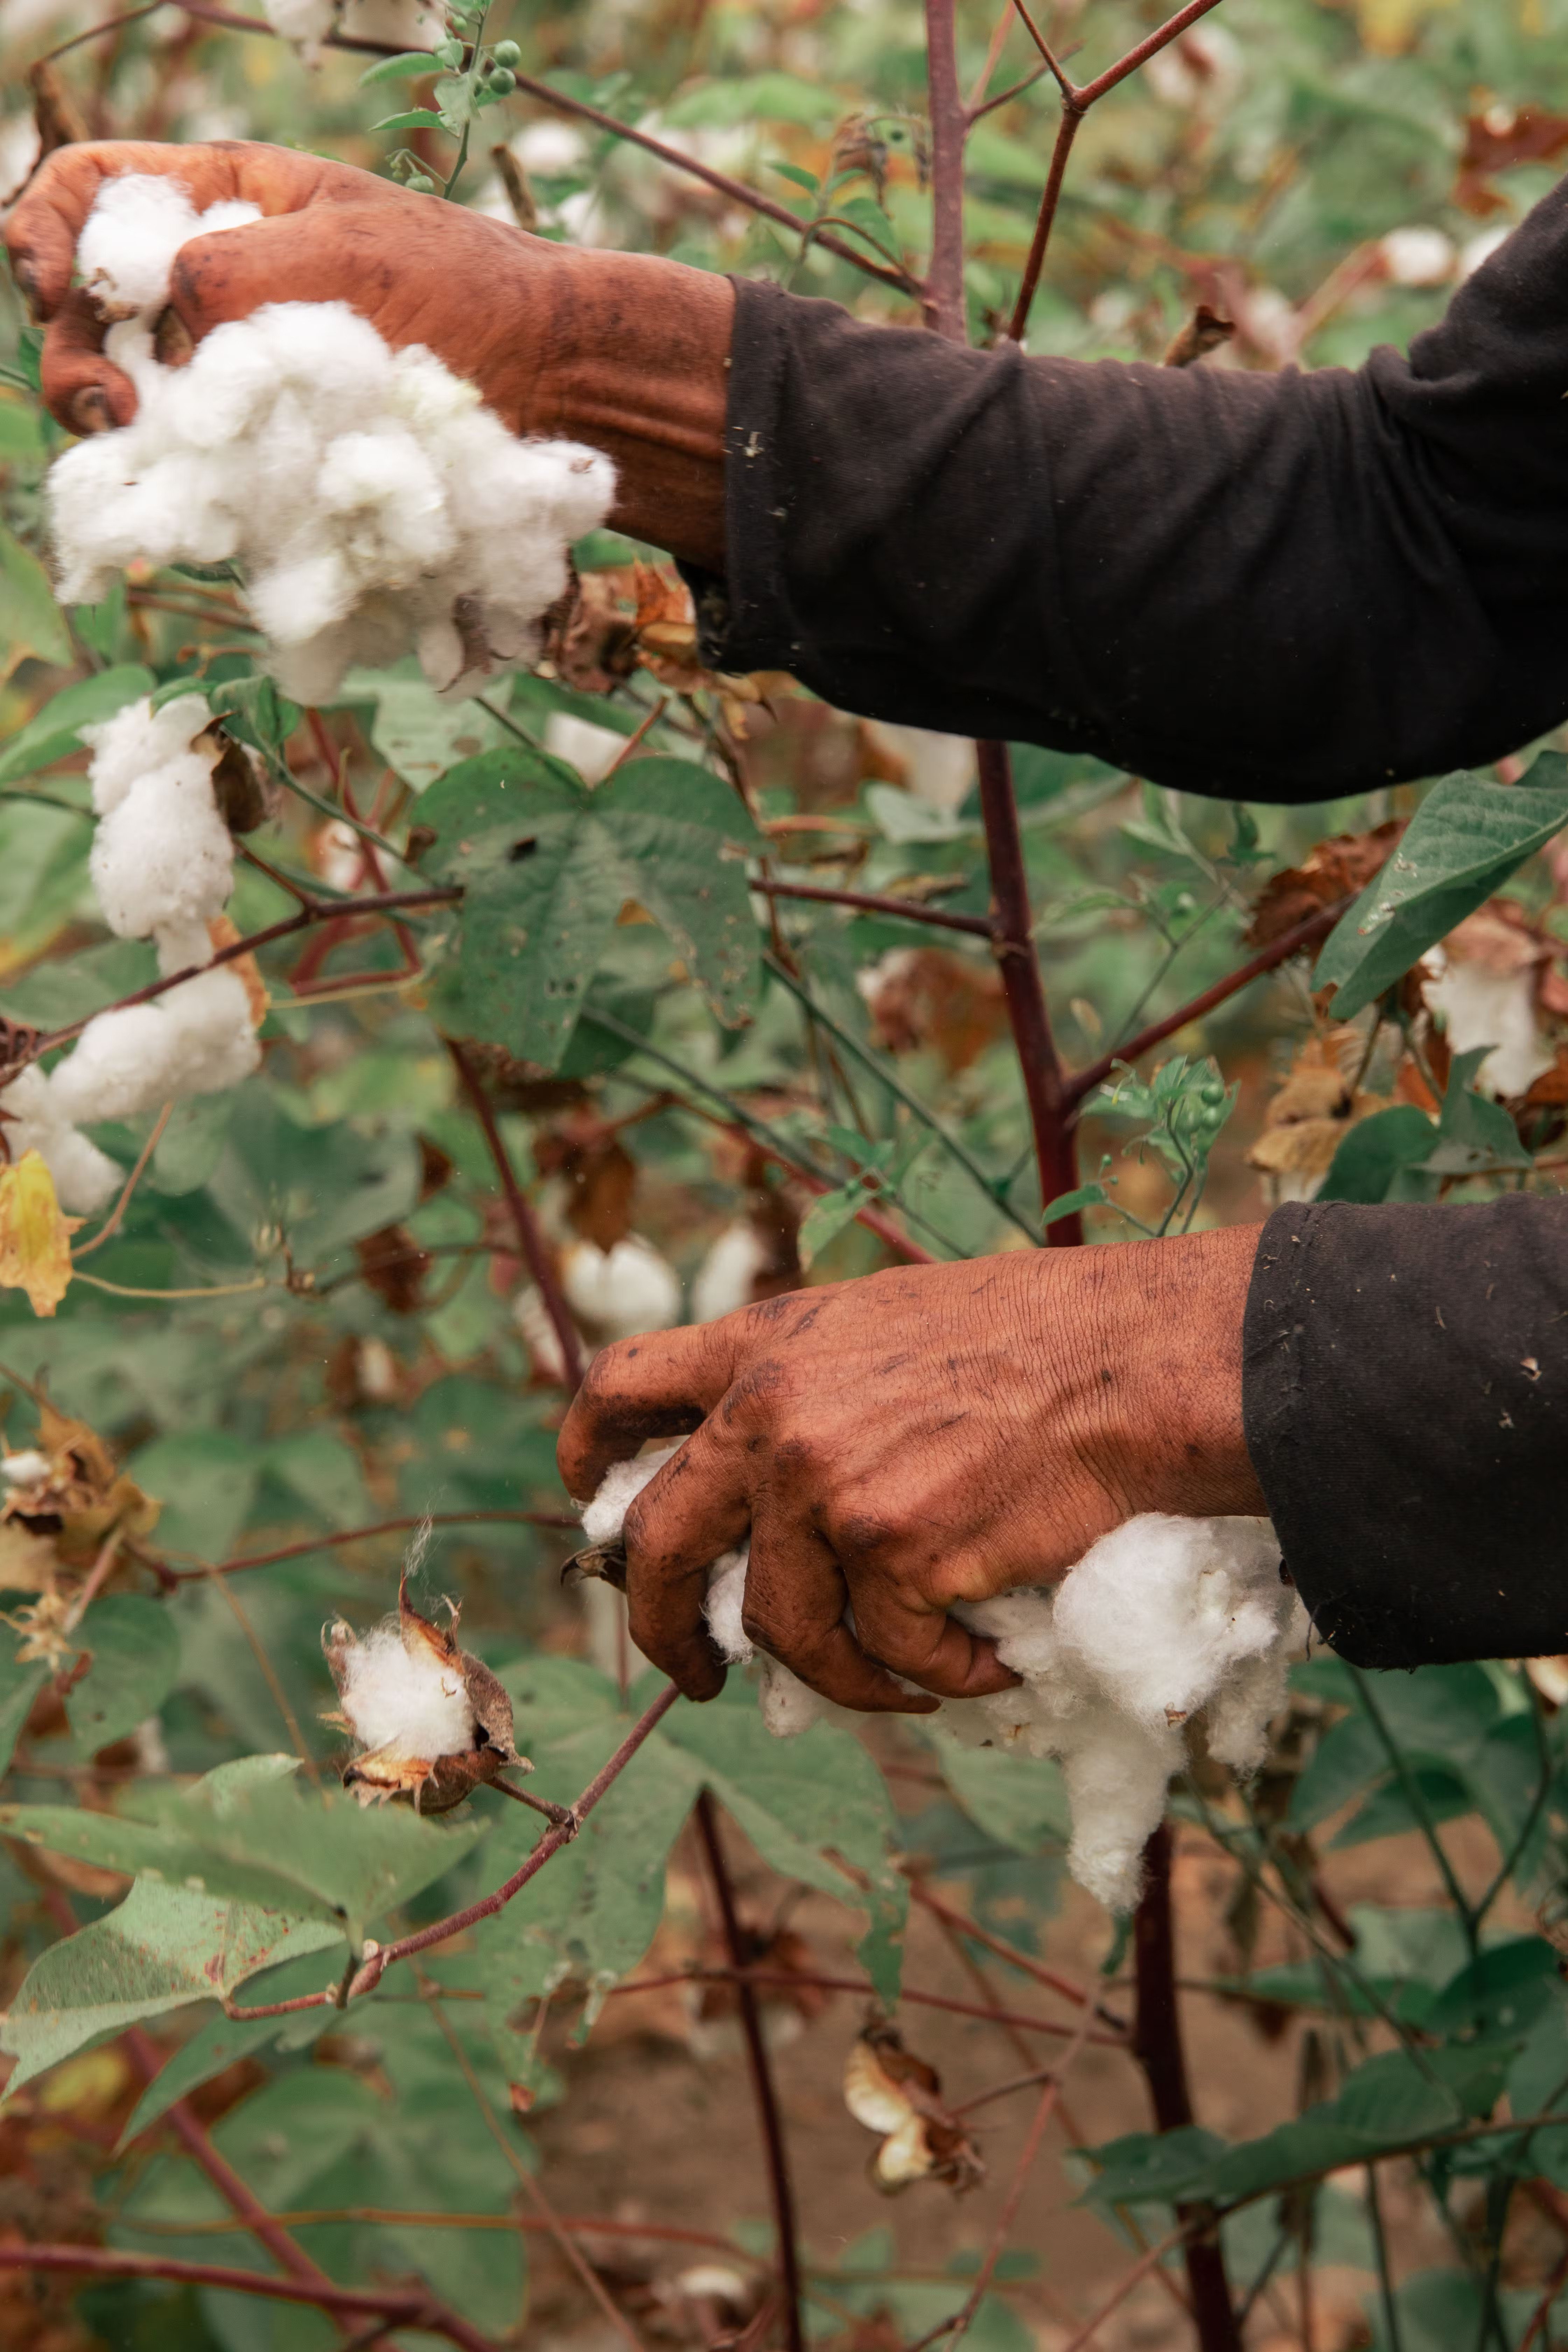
[(85, 1177), (937, 769), (216, 1044), (182, 947), (1116, 1773), (724, 1280), (163, 854), (391, 1696), (137, 738), (123, 1063), (618, 1490), (1483, 1006), (621, 1291), (304, 22), (789, 1706), (722, 1608), (1418, 256), (127, 248)]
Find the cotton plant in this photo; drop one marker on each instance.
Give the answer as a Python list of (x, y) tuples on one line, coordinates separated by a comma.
[(370, 500), (1161, 1622)]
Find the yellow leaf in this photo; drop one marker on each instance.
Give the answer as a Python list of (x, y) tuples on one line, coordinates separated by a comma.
[(34, 1235)]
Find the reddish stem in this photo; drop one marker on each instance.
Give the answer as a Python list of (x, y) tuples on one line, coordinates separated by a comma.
[(1157, 2046), (535, 1250), (775, 2151), (944, 303), (408, 2309), (317, 910), (1301, 935), (351, 1535), (871, 902), (1013, 945)]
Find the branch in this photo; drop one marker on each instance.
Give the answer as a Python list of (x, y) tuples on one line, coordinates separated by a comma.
[(736, 190), (782, 1978), (406, 2309), (872, 902), (353, 1535), (1301, 935), (1077, 99), (530, 1240), (1124, 2286), (1044, 1085), (958, 2326), (315, 910), (1157, 2046), (785, 2228), (1066, 1986), (945, 305)]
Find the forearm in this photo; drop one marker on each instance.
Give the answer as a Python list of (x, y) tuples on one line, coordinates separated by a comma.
[(1407, 1410)]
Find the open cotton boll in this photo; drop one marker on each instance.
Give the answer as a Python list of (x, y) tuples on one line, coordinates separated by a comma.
[(347, 482), (137, 739), (726, 1277), (620, 1291), (126, 251), (389, 1695), (163, 854), (84, 1176), (1482, 1005)]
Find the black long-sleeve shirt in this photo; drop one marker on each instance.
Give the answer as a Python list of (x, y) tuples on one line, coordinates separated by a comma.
[(1266, 587)]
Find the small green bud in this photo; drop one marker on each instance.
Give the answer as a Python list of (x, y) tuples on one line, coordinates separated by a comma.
[(421, 183), (507, 53), (503, 82)]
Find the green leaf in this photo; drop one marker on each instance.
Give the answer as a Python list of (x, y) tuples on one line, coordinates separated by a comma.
[(207, 1480), (827, 1216), (31, 623), (407, 67), (800, 1801), (1383, 1157), (417, 118), (1068, 1204), (261, 1840), (224, 2040), (1467, 836), (1475, 1136), (1019, 1801), (756, 98), (56, 729), (547, 866), (252, 708), (416, 731), (134, 1646), (162, 1948), (20, 1686)]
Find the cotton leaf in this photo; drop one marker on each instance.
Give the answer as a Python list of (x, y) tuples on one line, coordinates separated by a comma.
[(34, 1235)]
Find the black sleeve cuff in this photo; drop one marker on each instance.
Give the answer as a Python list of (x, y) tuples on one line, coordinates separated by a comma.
[(1406, 1396)]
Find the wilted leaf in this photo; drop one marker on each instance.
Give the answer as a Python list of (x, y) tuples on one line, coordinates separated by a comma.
[(34, 1235), (898, 2095)]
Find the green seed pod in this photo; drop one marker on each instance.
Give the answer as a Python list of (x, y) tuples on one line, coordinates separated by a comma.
[(502, 81), (507, 53), (421, 183)]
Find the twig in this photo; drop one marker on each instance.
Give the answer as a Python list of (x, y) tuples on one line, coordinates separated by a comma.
[(788, 1977), (530, 1240), (958, 2326), (317, 910), (944, 302), (112, 1225), (377, 1528), (773, 2148), (1540, 2315), (1123, 2288), (407, 2308), (634, 739), (1301, 935), (873, 902), (578, 2225), (1044, 1084), (1066, 1986), (97, 1578), (1157, 2046), (1077, 99), (269, 1675), (1006, 97)]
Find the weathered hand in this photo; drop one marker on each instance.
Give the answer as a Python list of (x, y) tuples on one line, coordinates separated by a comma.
[(919, 1438), (624, 350)]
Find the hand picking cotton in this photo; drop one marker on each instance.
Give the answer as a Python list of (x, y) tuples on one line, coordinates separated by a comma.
[(162, 866), (370, 500), (1162, 1620)]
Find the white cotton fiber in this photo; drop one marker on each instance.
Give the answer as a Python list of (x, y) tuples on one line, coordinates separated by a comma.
[(724, 1280), (1161, 1619), (371, 501), (620, 1291), (414, 1703)]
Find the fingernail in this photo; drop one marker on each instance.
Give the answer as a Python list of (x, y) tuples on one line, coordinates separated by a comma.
[(173, 341), (90, 410)]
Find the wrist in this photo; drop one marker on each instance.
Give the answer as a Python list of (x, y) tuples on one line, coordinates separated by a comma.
[(1159, 1371), (630, 354)]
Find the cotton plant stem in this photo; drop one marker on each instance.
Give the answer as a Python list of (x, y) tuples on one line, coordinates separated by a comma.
[(1082, 1082), (1157, 2046), (327, 910), (875, 902), (1055, 1982), (410, 2309), (775, 2153), (531, 1242), (575, 2225), (1148, 2261), (111, 1224), (785, 1979), (956, 2328), (1013, 946), (354, 1534), (944, 302)]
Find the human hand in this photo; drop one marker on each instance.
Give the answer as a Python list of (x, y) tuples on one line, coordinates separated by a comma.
[(919, 1438), (624, 350)]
